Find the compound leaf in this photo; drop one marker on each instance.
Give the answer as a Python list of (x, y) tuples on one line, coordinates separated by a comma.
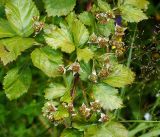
[(80, 32), (5, 29), (87, 18), (104, 5), (19, 14), (59, 38), (84, 54), (106, 29), (120, 76), (111, 129), (132, 14), (61, 113), (54, 91), (47, 60), (107, 96), (11, 48), (142, 4), (17, 82), (59, 7)]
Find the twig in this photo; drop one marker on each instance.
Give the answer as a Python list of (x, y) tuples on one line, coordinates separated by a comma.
[(89, 5)]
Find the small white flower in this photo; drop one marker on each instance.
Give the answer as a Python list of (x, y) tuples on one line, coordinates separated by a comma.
[(147, 116)]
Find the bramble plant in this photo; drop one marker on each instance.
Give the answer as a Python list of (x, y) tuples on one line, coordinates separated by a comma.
[(79, 50)]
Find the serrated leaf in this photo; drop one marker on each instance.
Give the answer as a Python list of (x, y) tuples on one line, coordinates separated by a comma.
[(66, 97), (107, 96), (84, 54), (17, 82), (71, 133), (106, 29), (61, 113), (70, 18), (5, 29), (59, 38), (132, 14), (80, 33), (104, 5), (142, 4), (11, 48), (120, 76), (59, 7), (47, 60), (87, 18), (19, 14), (54, 91), (111, 129), (85, 71)]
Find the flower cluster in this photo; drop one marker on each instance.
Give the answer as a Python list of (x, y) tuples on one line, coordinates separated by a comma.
[(37, 25), (48, 110), (104, 17), (116, 41)]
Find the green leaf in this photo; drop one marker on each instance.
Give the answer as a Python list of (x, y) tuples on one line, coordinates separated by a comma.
[(84, 54), (152, 133), (80, 33), (120, 76), (17, 82), (111, 129), (142, 4), (107, 96), (11, 48), (61, 113), (106, 29), (59, 38), (19, 14), (2, 11), (132, 14), (70, 18), (85, 71), (5, 29), (140, 128), (66, 97), (86, 18), (47, 60), (59, 7), (71, 132), (54, 91), (104, 5)]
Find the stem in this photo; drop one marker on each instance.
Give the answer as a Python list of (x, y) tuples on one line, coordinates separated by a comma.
[(129, 58), (139, 121), (131, 48), (73, 90), (84, 93)]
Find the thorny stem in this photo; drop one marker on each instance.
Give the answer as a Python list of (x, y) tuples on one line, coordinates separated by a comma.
[(128, 65)]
